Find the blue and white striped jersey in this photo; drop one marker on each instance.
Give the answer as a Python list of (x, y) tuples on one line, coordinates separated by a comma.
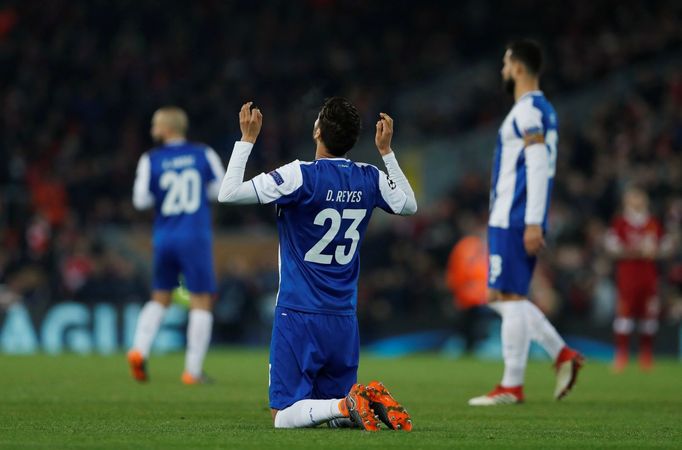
[(531, 115)]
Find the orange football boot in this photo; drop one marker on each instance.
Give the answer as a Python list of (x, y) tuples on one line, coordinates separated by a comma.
[(138, 366), (359, 410), (392, 413), (189, 379)]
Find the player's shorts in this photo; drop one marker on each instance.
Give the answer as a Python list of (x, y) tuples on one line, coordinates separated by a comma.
[(193, 258), (510, 267), (638, 300), (312, 356)]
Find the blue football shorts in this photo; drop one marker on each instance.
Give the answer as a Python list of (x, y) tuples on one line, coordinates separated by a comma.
[(312, 356), (191, 257), (510, 267)]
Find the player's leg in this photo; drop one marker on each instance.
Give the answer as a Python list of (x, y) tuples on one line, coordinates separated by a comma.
[(149, 321), (542, 331), (294, 364), (567, 361), (310, 413), (148, 324), (164, 279), (199, 330), (623, 326), (509, 279), (338, 339), (515, 340), (196, 264), (648, 327)]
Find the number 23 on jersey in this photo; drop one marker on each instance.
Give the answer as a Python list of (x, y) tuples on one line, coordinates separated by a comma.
[(342, 257)]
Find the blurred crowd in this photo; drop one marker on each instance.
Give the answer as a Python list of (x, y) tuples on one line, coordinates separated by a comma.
[(79, 81)]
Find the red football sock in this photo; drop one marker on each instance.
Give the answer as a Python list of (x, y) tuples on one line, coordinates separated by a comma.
[(646, 349), (622, 350)]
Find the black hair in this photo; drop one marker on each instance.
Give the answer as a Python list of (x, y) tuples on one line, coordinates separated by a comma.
[(340, 125), (529, 53)]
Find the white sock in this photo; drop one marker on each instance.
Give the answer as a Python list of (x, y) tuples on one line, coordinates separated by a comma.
[(198, 337), (308, 413), (495, 306), (515, 342), (542, 331), (648, 326), (148, 323)]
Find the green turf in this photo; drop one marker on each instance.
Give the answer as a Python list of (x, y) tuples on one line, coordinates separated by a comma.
[(89, 402)]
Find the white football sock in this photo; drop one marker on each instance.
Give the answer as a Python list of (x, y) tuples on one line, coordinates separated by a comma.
[(515, 342), (198, 337), (495, 306), (148, 323), (648, 326), (308, 413), (542, 331)]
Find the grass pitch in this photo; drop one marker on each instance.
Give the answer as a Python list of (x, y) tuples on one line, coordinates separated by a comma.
[(90, 402)]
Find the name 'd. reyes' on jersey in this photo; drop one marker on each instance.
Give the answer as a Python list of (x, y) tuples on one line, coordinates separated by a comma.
[(178, 163), (344, 196)]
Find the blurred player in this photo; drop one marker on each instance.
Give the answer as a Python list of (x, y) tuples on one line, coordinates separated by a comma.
[(635, 241), (178, 179), (323, 209), (466, 277), (523, 173)]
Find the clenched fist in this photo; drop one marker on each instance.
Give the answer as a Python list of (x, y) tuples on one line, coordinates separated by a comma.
[(250, 122), (384, 134)]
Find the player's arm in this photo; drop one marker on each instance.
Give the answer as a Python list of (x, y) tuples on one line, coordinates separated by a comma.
[(142, 195), (233, 188), (216, 174), (394, 188), (612, 242), (280, 185), (616, 246), (537, 178)]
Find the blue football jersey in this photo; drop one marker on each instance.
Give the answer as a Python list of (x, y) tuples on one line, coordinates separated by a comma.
[(323, 208), (179, 179), (531, 114)]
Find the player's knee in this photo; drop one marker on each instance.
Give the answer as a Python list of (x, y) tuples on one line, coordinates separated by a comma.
[(201, 301), (274, 417), (162, 297)]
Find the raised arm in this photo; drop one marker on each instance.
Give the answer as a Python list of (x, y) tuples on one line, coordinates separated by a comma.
[(395, 189), (234, 189), (280, 185)]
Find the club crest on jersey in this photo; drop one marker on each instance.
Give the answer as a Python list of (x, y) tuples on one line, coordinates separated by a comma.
[(277, 177)]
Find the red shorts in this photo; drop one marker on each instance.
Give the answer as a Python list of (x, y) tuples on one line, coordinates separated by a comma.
[(638, 301)]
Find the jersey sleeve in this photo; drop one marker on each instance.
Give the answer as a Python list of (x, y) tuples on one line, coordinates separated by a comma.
[(142, 195), (281, 186), (613, 239), (659, 230), (528, 122), (390, 198), (214, 175)]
